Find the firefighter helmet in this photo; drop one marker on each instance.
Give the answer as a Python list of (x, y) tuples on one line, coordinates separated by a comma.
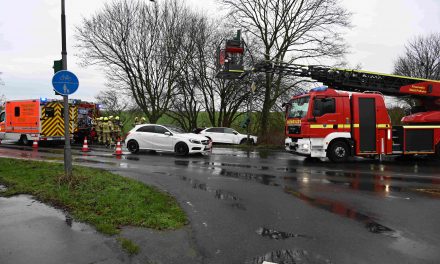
[(117, 118), (143, 119), (110, 117), (105, 118)]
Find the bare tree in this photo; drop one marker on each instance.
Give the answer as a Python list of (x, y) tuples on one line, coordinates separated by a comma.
[(421, 58), (2, 100), (113, 101), (137, 43), (290, 31)]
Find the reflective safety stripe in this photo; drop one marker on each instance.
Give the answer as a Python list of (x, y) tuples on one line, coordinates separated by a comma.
[(377, 126), (331, 126), (347, 126), (420, 127), (383, 126)]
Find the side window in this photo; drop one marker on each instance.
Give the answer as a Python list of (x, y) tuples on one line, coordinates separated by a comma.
[(2, 117), (229, 131), (324, 106), (215, 130), (160, 130), (17, 111), (149, 129), (49, 112)]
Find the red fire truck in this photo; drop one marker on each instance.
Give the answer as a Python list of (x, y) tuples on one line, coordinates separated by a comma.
[(351, 119)]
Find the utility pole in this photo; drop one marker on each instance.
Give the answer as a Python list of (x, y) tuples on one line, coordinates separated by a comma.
[(67, 148)]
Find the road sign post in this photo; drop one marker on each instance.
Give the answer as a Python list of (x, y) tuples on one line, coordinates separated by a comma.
[(64, 83)]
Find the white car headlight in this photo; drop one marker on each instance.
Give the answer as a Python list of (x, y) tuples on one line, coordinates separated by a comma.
[(195, 141), (305, 146)]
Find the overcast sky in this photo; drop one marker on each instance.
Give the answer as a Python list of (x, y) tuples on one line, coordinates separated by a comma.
[(30, 39)]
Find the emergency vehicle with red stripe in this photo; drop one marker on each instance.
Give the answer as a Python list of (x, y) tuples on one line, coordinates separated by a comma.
[(351, 118), (43, 120)]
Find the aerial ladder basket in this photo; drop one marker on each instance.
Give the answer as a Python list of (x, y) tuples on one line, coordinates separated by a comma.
[(230, 58)]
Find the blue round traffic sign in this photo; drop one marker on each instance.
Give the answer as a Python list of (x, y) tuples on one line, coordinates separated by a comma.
[(65, 82)]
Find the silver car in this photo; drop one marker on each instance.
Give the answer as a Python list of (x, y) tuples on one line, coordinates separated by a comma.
[(226, 135)]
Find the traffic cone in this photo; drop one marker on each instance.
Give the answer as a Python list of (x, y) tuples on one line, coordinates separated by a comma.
[(85, 147), (35, 144), (118, 150)]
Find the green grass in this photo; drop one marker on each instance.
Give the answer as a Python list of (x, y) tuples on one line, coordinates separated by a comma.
[(128, 245), (102, 199)]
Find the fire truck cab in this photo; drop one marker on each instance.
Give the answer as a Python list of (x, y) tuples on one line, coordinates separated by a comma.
[(326, 122)]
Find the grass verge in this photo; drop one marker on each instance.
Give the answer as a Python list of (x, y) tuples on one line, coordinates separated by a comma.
[(102, 199)]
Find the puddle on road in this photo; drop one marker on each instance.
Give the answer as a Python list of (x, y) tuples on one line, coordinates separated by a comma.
[(218, 194), (277, 235), (94, 161), (31, 208), (131, 158), (293, 256), (377, 183), (220, 164), (342, 209), (265, 179)]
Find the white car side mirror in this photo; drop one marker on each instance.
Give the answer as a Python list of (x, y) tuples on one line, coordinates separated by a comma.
[(168, 133)]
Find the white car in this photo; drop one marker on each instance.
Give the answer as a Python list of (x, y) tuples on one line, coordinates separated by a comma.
[(165, 138), (226, 135)]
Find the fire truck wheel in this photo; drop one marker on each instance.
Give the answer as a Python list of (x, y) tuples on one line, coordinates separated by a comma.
[(133, 146), (338, 151)]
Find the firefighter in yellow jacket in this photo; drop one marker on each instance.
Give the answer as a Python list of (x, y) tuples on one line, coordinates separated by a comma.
[(106, 130), (117, 129), (136, 121), (98, 129)]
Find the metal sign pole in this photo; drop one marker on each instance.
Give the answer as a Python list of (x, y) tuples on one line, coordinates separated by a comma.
[(67, 148)]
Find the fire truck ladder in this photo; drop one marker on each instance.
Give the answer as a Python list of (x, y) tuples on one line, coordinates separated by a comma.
[(352, 80)]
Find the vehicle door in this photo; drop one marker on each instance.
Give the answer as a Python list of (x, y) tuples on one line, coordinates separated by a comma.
[(328, 119), (230, 137), (162, 141), (145, 136), (2, 125), (215, 134)]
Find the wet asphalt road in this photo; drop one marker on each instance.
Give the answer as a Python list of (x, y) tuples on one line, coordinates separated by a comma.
[(250, 207)]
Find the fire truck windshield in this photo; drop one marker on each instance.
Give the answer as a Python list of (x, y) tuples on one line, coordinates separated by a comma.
[(298, 107)]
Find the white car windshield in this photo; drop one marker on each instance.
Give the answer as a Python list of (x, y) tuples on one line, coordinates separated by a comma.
[(174, 129)]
